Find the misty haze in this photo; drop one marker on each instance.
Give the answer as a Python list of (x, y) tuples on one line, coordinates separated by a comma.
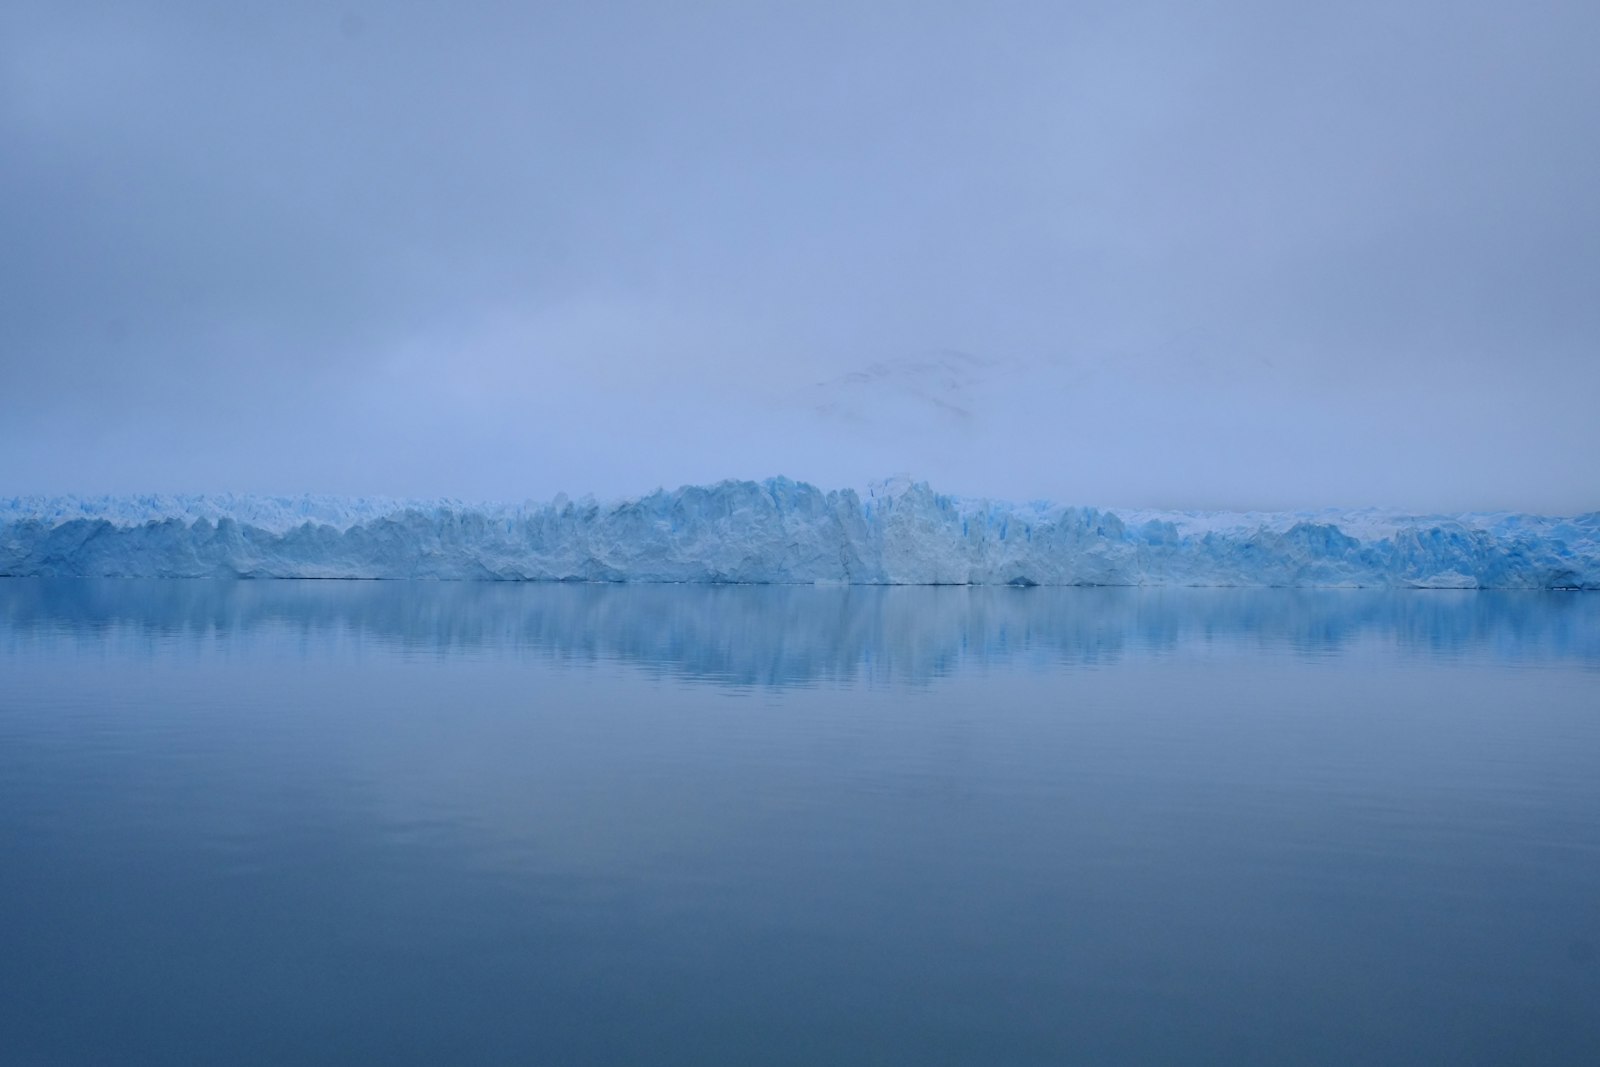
[(727, 533)]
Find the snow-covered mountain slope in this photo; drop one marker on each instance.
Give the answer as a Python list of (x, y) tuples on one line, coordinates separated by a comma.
[(780, 531)]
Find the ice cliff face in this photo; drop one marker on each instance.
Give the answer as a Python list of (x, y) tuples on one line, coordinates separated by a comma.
[(781, 531)]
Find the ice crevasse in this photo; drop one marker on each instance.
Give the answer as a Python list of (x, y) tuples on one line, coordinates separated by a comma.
[(782, 531)]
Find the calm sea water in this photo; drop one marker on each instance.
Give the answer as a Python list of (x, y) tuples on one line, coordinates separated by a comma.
[(307, 823)]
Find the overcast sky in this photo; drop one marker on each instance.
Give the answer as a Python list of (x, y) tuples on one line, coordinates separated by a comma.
[(1188, 254)]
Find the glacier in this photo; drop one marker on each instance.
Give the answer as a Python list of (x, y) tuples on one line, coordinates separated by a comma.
[(781, 531)]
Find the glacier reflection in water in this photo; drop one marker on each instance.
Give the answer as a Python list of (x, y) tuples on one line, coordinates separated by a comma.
[(333, 822), (788, 635)]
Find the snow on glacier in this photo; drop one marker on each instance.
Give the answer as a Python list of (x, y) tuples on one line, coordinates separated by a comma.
[(781, 531)]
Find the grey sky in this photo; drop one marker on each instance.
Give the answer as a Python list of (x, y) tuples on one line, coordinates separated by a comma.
[(1192, 254)]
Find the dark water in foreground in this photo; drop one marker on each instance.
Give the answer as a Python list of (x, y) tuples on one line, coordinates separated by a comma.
[(305, 823)]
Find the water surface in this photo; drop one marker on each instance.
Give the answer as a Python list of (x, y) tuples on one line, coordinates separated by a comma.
[(286, 822)]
